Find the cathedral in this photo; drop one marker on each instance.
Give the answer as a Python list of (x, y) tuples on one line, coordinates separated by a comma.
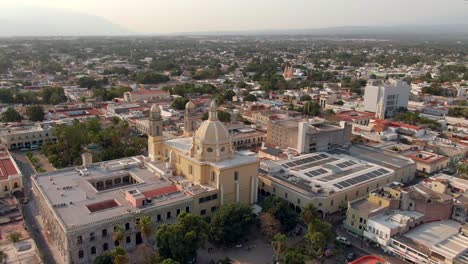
[(205, 155)]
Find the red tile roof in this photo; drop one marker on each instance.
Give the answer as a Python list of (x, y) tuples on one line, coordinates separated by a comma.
[(161, 191), (368, 260), (151, 92), (7, 168)]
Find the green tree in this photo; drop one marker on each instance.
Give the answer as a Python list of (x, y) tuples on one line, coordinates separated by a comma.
[(279, 246), (169, 261), (151, 77), (230, 223), (309, 214), (104, 258), (305, 97), (179, 103), (120, 255), (323, 227), (293, 256), (280, 209), (180, 241), (118, 235), (35, 113), (340, 102), (311, 108), (14, 237), (145, 226), (269, 225), (11, 115), (462, 169), (228, 94), (250, 98), (6, 96), (315, 243), (222, 116)]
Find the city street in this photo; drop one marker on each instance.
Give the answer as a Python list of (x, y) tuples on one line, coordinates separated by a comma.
[(31, 217)]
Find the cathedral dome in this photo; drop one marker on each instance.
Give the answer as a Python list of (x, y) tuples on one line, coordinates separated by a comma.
[(190, 105), (155, 109), (211, 141), (212, 133)]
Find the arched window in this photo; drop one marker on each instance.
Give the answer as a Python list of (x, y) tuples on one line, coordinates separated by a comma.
[(93, 250), (223, 149), (236, 176), (80, 254), (209, 149), (105, 247), (15, 185)]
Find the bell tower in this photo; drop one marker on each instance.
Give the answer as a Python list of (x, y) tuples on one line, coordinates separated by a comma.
[(155, 136), (190, 121)]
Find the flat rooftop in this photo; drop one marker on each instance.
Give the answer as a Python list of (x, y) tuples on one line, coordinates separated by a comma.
[(184, 144), (396, 218), (323, 173), (82, 196), (365, 206), (378, 156), (442, 237)]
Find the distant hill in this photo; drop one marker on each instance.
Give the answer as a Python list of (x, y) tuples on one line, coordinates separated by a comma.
[(457, 31), (52, 22)]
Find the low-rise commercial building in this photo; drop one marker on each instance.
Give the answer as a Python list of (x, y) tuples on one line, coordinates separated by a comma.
[(330, 179), (306, 136), (26, 136)]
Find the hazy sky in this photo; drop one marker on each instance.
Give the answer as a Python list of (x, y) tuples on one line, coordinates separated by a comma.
[(163, 16)]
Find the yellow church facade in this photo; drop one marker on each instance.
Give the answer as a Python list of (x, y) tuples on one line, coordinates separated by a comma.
[(206, 158)]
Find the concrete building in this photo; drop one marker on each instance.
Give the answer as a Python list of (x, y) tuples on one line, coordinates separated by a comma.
[(307, 136), (428, 162), (146, 95), (432, 243), (27, 135), (11, 179), (382, 227), (330, 179), (384, 99), (82, 207)]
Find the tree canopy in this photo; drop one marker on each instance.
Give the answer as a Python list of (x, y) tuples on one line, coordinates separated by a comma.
[(11, 115), (280, 209), (181, 240), (231, 223), (35, 113), (151, 77), (179, 103), (250, 98)]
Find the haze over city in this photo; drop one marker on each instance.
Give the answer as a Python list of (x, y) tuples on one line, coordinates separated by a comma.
[(162, 17), (234, 131)]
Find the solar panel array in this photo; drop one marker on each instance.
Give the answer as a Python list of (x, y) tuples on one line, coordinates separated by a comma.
[(361, 178), (303, 161), (314, 173), (345, 164), (344, 173)]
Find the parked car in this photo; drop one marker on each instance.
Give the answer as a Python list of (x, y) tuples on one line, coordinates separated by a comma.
[(328, 252), (343, 240), (24, 149), (351, 256)]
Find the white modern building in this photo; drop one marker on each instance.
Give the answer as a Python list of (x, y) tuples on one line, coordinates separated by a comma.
[(384, 99)]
